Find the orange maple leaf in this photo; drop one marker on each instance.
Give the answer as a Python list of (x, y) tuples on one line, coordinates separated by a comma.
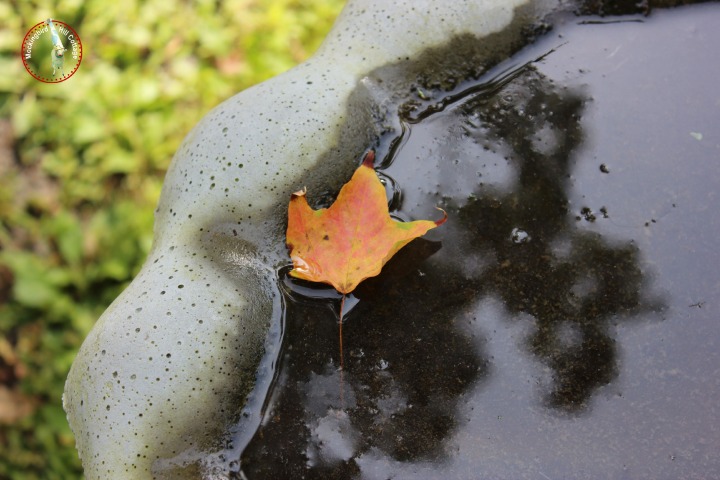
[(352, 240)]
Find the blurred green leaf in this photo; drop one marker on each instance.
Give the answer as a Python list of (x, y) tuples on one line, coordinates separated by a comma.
[(67, 231), (36, 285), (87, 128), (26, 114)]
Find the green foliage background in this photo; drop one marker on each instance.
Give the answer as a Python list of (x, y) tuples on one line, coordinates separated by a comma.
[(81, 168)]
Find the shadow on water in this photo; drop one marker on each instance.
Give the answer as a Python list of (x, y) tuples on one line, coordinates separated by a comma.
[(575, 285), (406, 364), (410, 355)]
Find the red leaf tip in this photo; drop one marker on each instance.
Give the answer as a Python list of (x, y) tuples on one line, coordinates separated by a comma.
[(442, 220), (299, 193), (369, 159)]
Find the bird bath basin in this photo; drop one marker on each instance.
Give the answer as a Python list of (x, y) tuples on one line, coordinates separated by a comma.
[(562, 324)]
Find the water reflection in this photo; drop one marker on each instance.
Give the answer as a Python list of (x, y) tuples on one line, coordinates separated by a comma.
[(410, 353), (547, 299), (406, 365), (575, 285)]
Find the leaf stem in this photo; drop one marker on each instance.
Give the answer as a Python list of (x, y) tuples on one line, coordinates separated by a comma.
[(342, 358)]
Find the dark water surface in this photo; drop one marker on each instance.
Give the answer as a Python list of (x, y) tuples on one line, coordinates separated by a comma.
[(565, 322)]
